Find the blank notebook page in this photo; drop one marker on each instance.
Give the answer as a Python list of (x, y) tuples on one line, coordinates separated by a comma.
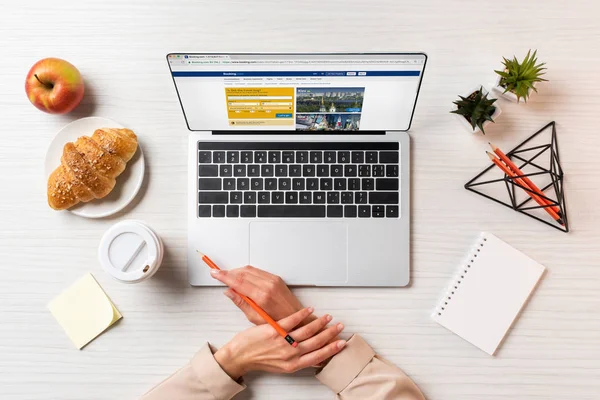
[(488, 292)]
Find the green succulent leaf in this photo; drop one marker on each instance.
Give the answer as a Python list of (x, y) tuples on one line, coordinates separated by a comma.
[(475, 108), (520, 77)]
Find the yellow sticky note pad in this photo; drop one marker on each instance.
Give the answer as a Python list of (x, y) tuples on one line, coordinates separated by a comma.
[(84, 311)]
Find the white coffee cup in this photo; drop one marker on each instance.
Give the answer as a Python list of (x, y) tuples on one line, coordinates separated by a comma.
[(130, 251)]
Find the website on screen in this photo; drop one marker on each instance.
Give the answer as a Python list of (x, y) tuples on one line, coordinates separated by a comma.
[(325, 93)]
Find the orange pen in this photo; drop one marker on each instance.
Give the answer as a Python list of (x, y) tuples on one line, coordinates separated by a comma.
[(520, 181), (255, 306), (526, 179)]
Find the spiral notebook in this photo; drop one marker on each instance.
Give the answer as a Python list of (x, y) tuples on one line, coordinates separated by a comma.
[(488, 292)]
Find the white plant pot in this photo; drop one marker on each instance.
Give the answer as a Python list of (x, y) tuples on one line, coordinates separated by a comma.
[(466, 123), (499, 90)]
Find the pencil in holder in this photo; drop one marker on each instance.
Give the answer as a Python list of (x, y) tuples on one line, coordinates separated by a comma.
[(539, 162)]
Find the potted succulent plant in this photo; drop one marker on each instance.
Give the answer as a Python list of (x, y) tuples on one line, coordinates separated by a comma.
[(476, 110), (518, 79)]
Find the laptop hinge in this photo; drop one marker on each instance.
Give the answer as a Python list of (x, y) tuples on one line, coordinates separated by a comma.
[(281, 132)]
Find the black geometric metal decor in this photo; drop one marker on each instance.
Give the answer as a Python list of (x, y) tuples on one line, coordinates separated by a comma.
[(529, 160)]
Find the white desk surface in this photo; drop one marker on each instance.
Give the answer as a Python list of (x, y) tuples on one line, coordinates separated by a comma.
[(553, 351)]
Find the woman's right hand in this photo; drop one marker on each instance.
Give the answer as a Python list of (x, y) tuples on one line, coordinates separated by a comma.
[(267, 290), (261, 348)]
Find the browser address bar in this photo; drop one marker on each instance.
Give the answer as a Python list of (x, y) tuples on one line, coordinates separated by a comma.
[(311, 62)]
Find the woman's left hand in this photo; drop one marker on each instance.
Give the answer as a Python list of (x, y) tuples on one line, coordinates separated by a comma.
[(261, 348)]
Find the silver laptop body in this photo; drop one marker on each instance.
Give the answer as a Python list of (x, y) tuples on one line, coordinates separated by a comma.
[(324, 204)]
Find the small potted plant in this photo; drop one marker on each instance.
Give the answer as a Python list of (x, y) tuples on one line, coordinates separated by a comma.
[(476, 110), (518, 79)]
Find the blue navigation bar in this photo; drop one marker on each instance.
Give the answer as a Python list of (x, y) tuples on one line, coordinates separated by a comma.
[(293, 73)]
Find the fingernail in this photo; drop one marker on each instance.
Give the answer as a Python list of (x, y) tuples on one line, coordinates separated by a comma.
[(341, 344), (228, 294), (340, 327), (311, 309), (329, 318), (215, 272)]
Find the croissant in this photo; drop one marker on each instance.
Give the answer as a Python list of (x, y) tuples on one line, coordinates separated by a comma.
[(89, 166)]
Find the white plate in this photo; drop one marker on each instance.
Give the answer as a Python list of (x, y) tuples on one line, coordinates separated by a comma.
[(128, 183)]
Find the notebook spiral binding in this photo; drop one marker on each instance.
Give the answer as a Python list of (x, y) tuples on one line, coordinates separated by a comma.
[(460, 275)]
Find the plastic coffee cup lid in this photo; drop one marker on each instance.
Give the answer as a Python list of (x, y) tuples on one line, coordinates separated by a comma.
[(130, 251)]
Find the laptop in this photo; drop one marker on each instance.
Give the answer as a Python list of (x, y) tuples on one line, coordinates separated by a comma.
[(299, 164)]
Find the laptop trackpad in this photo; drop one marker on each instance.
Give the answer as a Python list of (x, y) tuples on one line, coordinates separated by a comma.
[(302, 253)]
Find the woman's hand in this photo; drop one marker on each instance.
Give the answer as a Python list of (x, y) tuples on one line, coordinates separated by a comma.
[(267, 290), (260, 348)]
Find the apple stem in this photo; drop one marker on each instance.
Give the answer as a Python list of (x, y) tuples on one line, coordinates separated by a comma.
[(48, 85)]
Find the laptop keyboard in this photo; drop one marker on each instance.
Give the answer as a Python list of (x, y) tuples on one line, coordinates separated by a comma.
[(298, 180)]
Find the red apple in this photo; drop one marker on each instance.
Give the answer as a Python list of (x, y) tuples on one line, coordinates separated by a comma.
[(54, 86)]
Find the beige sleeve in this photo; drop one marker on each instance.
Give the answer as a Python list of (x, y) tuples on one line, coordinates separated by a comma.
[(358, 373), (201, 379)]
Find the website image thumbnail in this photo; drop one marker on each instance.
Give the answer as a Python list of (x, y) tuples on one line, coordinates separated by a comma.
[(329, 100), (327, 122)]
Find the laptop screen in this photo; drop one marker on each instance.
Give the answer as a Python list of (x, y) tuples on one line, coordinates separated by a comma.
[(320, 93)]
